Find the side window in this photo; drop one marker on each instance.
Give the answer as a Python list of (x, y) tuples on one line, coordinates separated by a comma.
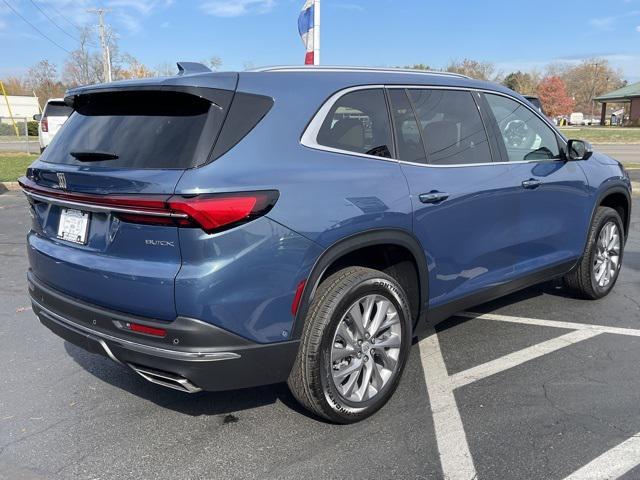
[(451, 126), (526, 137), (408, 134), (358, 122)]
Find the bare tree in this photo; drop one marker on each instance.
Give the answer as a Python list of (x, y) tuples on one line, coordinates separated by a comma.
[(16, 86), (43, 80), (214, 63), (473, 69), (82, 66), (166, 69)]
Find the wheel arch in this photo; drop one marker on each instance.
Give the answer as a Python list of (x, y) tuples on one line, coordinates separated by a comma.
[(619, 199), (350, 247)]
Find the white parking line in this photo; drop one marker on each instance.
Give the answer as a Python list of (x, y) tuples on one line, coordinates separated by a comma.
[(453, 447), (632, 332), (514, 359), (613, 463), (455, 455)]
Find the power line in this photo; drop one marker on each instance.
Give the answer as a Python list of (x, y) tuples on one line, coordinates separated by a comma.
[(73, 24), (34, 27), (59, 27), (52, 21)]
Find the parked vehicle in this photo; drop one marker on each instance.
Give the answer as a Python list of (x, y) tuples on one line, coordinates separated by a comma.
[(224, 230), (576, 118), (54, 115), (535, 101)]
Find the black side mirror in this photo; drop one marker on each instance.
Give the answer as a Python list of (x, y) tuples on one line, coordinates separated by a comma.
[(579, 150), (37, 117)]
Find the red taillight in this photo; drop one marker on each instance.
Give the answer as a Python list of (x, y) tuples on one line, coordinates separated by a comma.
[(297, 297), (156, 332), (44, 124), (211, 212)]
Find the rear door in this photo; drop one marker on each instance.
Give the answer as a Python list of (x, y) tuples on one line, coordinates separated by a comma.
[(125, 148), (553, 203), (464, 210)]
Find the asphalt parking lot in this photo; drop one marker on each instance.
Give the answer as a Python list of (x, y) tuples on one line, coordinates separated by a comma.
[(535, 385)]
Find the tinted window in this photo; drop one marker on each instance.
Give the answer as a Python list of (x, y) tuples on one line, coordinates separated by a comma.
[(57, 109), (452, 129), (526, 136), (145, 129), (358, 122), (408, 134)]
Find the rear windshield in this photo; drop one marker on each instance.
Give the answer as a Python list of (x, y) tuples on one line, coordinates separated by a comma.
[(57, 109), (138, 129)]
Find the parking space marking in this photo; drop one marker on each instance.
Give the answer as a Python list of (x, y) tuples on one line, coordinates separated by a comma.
[(514, 359), (632, 332), (613, 463), (453, 447), (455, 456)]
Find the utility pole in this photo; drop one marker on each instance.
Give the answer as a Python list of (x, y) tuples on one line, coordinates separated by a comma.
[(106, 56), (316, 32)]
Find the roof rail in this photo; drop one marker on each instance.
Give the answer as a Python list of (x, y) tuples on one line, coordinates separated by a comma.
[(327, 68), (186, 68)]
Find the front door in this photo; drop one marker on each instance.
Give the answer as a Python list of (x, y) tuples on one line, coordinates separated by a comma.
[(553, 203)]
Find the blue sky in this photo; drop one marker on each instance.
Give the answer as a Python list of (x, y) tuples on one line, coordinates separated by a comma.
[(513, 34)]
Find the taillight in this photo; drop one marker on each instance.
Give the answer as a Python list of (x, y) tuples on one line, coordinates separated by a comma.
[(210, 212), (222, 211), (44, 124)]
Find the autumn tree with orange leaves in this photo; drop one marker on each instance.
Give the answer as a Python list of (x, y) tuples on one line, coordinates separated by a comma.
[(553, 95)]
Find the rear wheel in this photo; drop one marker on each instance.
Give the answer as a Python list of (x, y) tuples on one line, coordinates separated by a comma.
[(354, 346), (597, 272)]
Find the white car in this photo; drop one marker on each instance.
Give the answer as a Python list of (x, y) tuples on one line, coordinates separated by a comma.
[(53, 117)]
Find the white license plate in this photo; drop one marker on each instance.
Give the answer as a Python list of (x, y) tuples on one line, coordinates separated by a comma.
[(73, 226)]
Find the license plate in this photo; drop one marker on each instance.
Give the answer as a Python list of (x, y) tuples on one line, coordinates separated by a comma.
[(73, 226)]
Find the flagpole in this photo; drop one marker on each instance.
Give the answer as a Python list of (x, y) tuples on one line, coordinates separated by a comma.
[(316, 32)]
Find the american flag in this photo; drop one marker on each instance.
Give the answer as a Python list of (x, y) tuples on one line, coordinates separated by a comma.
[(307, 29)]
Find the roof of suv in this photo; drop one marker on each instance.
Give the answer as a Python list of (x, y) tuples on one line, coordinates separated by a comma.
[(341, 76)]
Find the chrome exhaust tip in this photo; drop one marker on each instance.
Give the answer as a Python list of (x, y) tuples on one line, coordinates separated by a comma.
[(165, 379)]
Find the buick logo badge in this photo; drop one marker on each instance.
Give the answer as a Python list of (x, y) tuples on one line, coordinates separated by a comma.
[(62, 181)]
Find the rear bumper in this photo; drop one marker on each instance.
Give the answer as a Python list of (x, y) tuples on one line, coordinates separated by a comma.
[(193, 356)]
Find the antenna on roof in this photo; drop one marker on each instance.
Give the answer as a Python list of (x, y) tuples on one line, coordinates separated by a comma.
[(186, 68)]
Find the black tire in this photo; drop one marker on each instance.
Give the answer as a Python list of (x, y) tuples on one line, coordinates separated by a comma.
[(581, 280), (311, 380)]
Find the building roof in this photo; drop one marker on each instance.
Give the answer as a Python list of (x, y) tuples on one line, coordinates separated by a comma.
[(623, 94)]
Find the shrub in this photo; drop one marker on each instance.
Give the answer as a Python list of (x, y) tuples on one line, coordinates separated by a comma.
[(32, 128)]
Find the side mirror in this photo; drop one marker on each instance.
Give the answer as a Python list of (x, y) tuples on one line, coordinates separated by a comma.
[(37, 117), (579, 150)]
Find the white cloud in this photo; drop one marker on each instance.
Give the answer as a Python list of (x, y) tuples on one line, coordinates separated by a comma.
[(236, 8), (638, 28), (609, 23)]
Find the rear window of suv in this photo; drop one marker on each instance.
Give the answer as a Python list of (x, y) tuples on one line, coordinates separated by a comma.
[(139, 129), (57, 109)]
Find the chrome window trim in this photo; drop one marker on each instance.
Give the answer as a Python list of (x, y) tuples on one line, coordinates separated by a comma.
[(310, 134)]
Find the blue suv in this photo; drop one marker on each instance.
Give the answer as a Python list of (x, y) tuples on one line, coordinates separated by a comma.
[(216, 231)]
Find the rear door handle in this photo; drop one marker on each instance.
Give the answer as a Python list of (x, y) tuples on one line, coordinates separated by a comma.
[(531, 183), (433, 197)]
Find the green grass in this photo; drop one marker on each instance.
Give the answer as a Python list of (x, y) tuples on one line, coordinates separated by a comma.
[(13, 165), (603, 134)]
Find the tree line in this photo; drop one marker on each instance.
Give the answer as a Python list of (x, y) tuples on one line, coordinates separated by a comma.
[(562, 87)]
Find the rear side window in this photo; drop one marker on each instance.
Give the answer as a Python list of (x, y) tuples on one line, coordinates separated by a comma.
[(451, 126), (57, 109), (358, 122), (141, 129), (526, 137)]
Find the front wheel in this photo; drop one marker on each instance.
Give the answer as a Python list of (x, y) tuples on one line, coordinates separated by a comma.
[(354, 346), (597, 272)]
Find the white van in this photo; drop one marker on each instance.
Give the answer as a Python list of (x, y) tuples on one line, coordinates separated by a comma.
[(53, 117)]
